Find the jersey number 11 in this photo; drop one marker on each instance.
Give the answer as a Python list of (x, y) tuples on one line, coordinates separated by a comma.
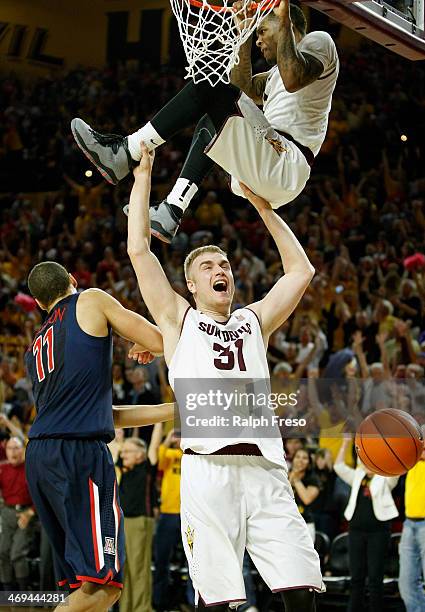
[(37, 351)]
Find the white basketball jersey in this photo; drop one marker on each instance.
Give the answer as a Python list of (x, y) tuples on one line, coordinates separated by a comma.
[(304, 113), (208, 349)]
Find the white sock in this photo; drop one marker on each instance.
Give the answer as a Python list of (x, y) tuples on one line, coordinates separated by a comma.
[(182, 193), (150, 137)]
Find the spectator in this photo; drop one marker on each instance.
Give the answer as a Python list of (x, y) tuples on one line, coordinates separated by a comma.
[(291, 445), (82, 274), (141, 394), (107, 269), (210, 213), (116, 445), (412, 544), (323, 507), (168, 532), (332, 414), (369, 513), (16, 518), (11, 428), (139, 502), (119, 385), (306, 486)]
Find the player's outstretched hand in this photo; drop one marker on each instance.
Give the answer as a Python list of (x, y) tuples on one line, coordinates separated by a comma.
[(140, 354), (259, 203), (146, 163)]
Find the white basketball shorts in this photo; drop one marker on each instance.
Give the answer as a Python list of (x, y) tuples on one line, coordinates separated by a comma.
[(255, 154), (229, 503)]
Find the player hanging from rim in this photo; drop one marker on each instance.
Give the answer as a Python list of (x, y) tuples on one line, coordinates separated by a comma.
[(218, 521), (272, 153), (70, 471)]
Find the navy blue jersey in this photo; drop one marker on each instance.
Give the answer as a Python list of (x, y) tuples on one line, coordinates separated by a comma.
[(71, 376)]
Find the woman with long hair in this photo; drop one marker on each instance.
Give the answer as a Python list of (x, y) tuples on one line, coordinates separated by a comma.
[(306, 486)]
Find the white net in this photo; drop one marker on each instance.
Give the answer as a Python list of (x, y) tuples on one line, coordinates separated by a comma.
[(213, 33)]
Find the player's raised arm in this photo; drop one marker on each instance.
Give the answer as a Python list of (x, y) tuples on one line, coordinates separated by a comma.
[(165, 305), (138, 416), (297, 68), (125, 323), (241, 74), (281, 300)]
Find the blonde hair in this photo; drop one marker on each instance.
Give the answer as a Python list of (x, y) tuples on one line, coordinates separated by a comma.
[(209, 248), (141, 444)]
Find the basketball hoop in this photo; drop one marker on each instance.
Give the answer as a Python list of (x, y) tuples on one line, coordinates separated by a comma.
[(212, 34)]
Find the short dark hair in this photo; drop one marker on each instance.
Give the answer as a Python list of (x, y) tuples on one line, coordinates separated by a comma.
[(297, 18), (47, 282)]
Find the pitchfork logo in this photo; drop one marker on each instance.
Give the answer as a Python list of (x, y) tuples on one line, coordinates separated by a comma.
[(109, 547), (277, 145)]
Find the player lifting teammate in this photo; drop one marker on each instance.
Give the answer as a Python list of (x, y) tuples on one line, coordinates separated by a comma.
[(232, 495), (70, 470), (271, 152)]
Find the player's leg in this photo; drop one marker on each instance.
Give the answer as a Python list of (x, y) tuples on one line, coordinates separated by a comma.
[(217, 608), (80, 511), (91, 598), (165, 218), (278, 539), (115, 156), (213, 529), (299, 599)]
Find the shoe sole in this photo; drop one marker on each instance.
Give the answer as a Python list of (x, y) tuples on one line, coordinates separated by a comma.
[(153, 232), (160, 236), (108, 175)]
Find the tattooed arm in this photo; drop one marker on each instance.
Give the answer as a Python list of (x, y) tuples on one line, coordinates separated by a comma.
[(296, 68), (241, 75)]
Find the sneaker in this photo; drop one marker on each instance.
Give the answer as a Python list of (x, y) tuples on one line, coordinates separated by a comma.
[(108, 152), (165, 220)]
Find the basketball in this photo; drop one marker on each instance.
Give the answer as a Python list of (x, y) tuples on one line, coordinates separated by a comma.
[(389, 442)]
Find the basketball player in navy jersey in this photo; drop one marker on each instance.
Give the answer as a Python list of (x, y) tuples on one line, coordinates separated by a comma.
[(69, 468), (233, 495)]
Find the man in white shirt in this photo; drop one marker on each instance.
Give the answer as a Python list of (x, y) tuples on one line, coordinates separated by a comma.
[(271, 152)]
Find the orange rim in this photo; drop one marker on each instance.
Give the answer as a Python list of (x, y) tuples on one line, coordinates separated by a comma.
[(224, 9)]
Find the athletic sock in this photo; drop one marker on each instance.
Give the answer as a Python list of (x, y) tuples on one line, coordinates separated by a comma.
[(196, 166), (150, 137), (182, 193)]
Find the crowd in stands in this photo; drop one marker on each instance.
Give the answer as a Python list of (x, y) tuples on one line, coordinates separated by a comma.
[(355, 344)]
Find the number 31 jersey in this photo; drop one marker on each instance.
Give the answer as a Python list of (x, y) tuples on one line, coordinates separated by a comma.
[(208, 349), (71, 377)]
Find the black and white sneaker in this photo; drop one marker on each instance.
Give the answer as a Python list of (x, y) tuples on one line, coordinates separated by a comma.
[(165, 220), (108, 152)]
